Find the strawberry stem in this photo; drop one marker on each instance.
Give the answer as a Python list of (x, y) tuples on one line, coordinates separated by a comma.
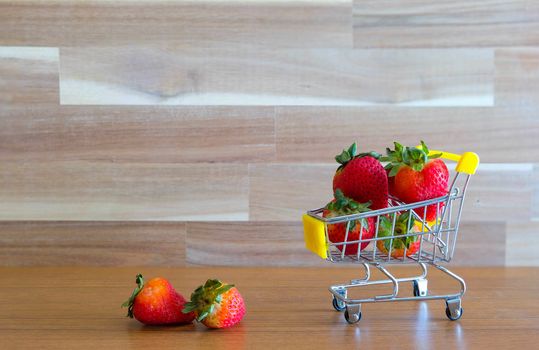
[(402, 223), (204, 298), (351, 153), (343, 205), (139, 280), (415, 158)]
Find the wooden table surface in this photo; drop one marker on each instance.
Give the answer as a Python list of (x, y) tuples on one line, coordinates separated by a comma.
[(68, 308)]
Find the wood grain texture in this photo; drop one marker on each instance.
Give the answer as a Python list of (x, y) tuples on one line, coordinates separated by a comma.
[(38, 243), (285, 191), (186, 23), (535, 189), (445, 23), (129, 75), (138, 134), (131, 191), (503, 191), (522, 243), (285, 307), (482, 244), (517, 78), (260, 243), (317, 134), (123, 120), (281, 244), (28, 76), (248, 244)]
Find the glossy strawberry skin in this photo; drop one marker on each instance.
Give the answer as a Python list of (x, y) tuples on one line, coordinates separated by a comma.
[(414, 186), (337, 234), (228, 312), (159, 304), (363, 179)]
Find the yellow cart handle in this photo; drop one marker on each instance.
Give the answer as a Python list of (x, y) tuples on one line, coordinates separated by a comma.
[(467, 162)]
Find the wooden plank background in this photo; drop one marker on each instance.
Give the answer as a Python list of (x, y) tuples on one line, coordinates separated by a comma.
[(175, 132)]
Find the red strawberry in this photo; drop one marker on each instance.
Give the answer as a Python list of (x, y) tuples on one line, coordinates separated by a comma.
[(402, 222), (216, 304), (361, 177), (340, 206), (156, 303), (417, 176)]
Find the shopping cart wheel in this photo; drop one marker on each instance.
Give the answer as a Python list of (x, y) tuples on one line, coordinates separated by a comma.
[(453, 309), (420, 288), (352, 314), (338, 305)]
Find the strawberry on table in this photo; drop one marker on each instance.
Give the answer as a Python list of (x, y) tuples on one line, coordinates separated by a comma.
[(415, 176), (398, 245), (156, 303), (361, 177), (216, 304), (343, 205)]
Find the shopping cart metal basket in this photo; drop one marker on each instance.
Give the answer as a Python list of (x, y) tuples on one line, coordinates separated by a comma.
[(437, 240)]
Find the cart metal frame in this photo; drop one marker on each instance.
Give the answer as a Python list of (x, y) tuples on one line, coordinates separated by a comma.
[(437, 245)]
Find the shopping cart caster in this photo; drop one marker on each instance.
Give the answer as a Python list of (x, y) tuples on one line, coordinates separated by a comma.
[(420, 288), (453, 309), (339, 305), (352, 314)]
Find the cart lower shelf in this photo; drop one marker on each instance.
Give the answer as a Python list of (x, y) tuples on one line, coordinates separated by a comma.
[(352, 307)]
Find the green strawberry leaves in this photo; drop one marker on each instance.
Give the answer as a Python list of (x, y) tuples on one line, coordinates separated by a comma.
[(347, 155), (404, 224), (205, 297), (351, 153), (343, 158), (343, 205), (414, 157), (139, 280)]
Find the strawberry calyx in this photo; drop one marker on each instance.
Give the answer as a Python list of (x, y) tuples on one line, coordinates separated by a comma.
[(343, 205), (351, 153), (139, 280), (205, 297), (404, 224), (415, 158)]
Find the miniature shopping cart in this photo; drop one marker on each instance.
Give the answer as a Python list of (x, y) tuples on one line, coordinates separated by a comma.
[(437, 240)]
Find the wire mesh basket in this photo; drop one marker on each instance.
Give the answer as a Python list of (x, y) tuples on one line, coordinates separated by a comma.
[(411, 240)]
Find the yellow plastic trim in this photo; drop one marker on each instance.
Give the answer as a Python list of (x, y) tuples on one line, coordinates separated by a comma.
[(467, 162), (314, 236)]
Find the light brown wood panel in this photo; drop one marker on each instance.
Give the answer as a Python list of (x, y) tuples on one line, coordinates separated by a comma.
[(38, 243), (76, 243), (130, 191), (317, 134), (281, 244), (500, 192), (445, 23), (286, 191), (129, 75), (535, 197), (28, 76), (481, 243), (248, 244), (187, 23), (54, 308), (522, 243), (138, 134), (517, 78)]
